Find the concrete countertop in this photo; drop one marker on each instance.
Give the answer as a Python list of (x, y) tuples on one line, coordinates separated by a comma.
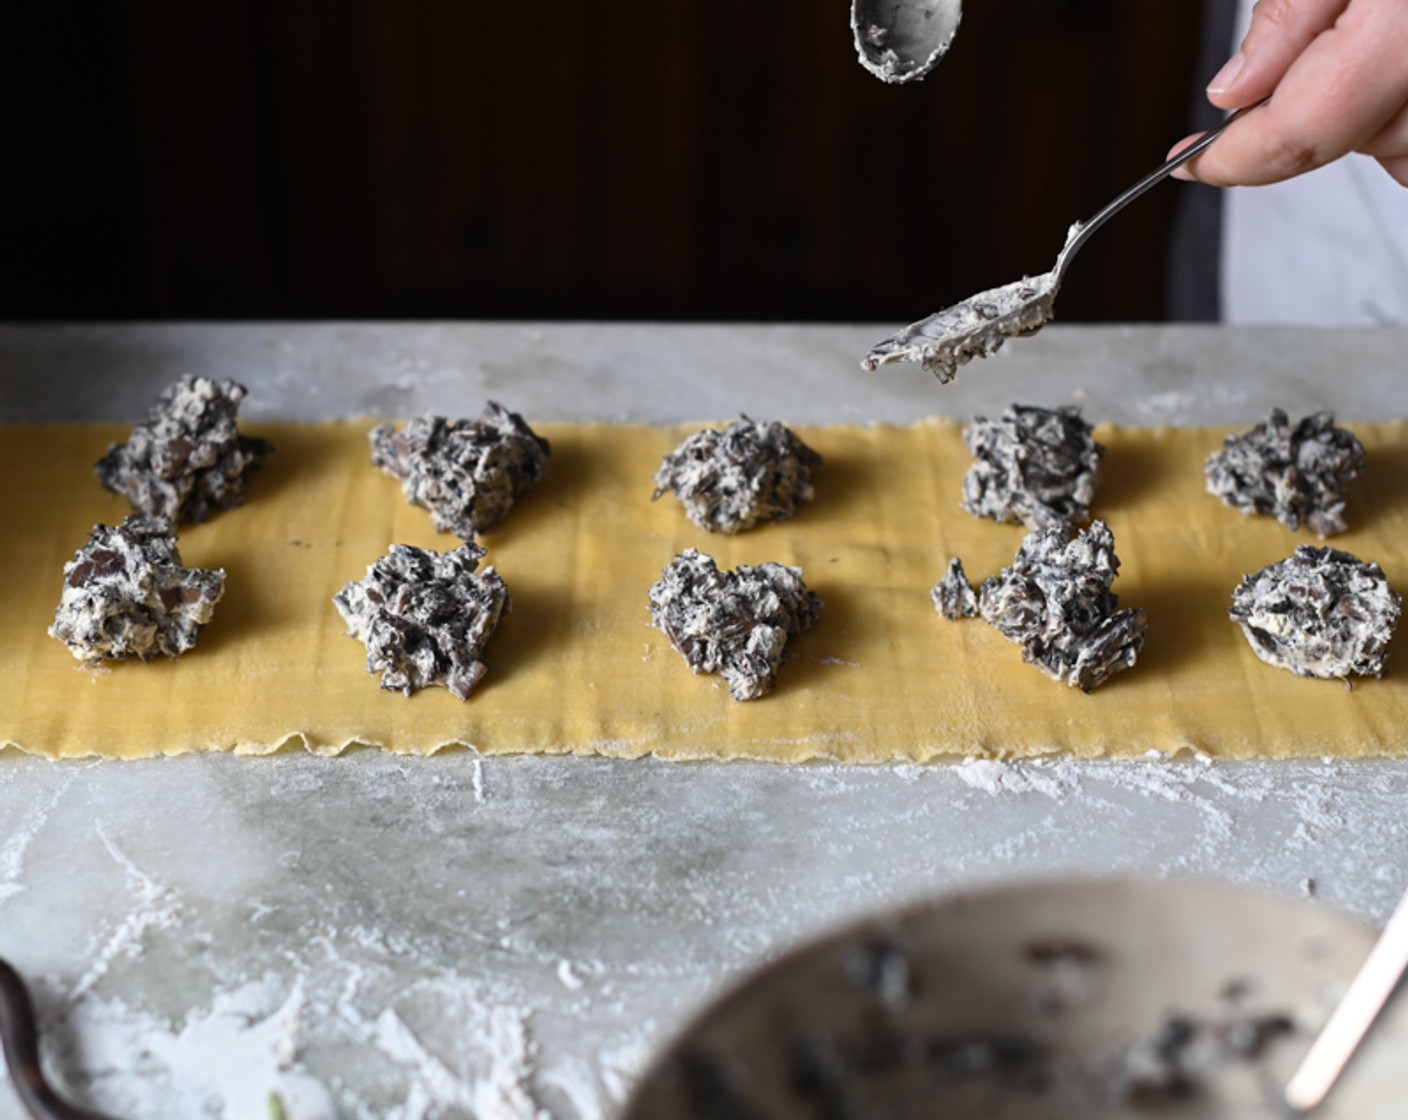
[(372, 936)]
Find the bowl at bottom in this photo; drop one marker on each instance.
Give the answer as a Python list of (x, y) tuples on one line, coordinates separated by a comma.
[(1088, 998)]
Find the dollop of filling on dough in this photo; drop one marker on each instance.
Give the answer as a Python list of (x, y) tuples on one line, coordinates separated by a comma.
[(467, 473), (953, 596), (425, 617), (126, 594), (1296, 474), (1037, 466), (729, 479), (187, 458), (734, 623), (1055, 602), (1319, 613)]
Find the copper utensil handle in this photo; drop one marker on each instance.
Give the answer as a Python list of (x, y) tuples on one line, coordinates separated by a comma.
[(19, 1034), (1350, 1021)]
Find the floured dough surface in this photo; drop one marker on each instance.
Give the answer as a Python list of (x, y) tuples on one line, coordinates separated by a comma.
[(577, 666)]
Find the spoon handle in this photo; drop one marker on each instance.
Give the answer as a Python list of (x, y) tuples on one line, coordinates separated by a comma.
[(1158, 175), (19, 1037), (1367, 994)]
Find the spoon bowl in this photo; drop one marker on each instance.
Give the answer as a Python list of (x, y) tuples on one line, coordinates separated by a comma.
[(902, 40)]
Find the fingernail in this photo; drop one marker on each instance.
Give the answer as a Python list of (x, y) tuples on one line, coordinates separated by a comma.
[(1183, 173), (1223, 79)]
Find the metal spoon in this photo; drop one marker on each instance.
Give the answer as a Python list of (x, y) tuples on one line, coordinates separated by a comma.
[(977, 327), (1350, 1021), (902, 40)]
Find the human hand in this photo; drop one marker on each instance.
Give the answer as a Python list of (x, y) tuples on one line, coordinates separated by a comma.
[(1337, 75)]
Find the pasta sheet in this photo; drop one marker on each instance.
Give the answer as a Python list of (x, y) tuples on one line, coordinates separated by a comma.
[(575, 667)]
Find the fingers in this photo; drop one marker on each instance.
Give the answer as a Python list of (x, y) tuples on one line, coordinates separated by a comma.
[(1391, 140), (1390, 147), (1280, 31), (1346, 91), (1183, 172), (1398, 168)]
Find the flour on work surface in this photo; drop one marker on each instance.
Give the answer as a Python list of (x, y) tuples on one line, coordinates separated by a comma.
[(158, 907), (1322, 810), (547, 1004), (244, 1050), (228, 1060), (21, 836)]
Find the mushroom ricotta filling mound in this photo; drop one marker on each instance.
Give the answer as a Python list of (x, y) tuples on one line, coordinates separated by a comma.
[(187, 457), (126, 594), (1032, 465), (734, 623), (425, 617), (1295, 474), (1055, 602), (953, 596), (1319, 613), (729, 479), (467, 473)]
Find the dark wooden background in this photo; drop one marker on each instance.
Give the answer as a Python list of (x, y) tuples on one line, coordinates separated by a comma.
[(656, 159)]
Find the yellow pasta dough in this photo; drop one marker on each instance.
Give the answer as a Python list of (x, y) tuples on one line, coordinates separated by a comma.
[(575, 666)]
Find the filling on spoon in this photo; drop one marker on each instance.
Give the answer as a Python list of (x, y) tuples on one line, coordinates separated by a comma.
[(902, 40), (977, 327)]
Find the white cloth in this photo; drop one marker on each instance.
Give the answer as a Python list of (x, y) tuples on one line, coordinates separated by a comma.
[(1325, 249)]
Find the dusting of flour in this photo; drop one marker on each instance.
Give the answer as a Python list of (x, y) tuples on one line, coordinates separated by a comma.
[(513, 938)]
